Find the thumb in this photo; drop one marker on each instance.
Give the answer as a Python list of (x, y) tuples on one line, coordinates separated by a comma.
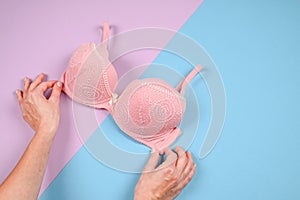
[(152, 162), (56, 90)]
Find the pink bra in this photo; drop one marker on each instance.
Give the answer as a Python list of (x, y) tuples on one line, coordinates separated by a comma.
[(148, 110)]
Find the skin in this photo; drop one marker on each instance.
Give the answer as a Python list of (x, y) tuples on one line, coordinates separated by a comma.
[(163, 182), (42, 115), (166, 181)]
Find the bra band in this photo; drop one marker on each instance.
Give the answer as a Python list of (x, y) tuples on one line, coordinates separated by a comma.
[(184, 83)]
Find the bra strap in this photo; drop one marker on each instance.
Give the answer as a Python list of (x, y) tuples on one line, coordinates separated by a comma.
[(181, 87), (105, 34)]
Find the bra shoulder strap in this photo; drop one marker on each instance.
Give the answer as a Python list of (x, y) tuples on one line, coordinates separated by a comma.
[(102, 48), (181, 87), (105, 33)]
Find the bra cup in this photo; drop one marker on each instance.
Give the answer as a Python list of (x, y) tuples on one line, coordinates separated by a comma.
[(80, 55), (76, 60), (90, 78), (112, 77), (149, 110)]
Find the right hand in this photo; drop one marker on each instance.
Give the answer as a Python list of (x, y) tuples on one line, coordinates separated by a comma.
[(40, 113), (166, 181)]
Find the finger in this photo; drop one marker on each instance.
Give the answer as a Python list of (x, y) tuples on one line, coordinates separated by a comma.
[(187, 178), (46, 85), (171, 158), (188, 167), (152, 162), (55, 95), (37, 81), (181, 184), (182, 158), (19, 95), (26, 86)]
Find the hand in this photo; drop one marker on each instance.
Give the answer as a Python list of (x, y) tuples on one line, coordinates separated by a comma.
[(166, 181), (40, 113)]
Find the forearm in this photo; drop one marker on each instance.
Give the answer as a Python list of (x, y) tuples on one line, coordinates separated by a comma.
[(25, 180)]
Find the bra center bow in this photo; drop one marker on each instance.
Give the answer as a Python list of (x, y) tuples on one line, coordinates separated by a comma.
[(114, 98)]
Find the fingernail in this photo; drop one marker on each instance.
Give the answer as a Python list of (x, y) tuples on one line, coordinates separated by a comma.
[(59, 84)]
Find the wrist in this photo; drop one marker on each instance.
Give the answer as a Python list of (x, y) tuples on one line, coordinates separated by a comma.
[(46, 135), (48, 125), (140, 197), (41, 141), (143, 196), (47, 128)]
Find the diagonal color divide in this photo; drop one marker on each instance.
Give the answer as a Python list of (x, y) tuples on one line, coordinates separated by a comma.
[(181, 46), (53, 30)]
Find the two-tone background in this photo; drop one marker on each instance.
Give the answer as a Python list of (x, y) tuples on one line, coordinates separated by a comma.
[(254, 44)]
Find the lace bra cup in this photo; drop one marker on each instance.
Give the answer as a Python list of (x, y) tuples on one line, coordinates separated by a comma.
[(148, 110)]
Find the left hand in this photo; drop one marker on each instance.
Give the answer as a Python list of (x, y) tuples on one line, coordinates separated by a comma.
[(40, 113)]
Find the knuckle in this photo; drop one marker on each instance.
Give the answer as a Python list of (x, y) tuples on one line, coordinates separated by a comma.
[(41, 85), (181, 159), (189, 178), (194, 168), (180, 187), (169, 171), (179, 149), (184, 184), (30, 89), (191, 174), (190, 166), (181, 155), (158, 194), (29, 97), (25, 117), (173, 190), (175, 179), (186, 172)]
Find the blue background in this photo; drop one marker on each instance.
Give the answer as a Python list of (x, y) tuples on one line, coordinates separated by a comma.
[(256, 46)]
